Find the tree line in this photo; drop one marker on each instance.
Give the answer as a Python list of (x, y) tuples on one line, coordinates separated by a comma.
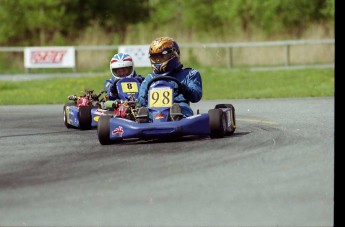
[(45, 22)]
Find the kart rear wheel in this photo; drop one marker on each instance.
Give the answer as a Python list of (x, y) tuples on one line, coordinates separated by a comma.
[(217, 123), (218, 106), (85, 117), (231, 129), (103, 129), (65, 114)]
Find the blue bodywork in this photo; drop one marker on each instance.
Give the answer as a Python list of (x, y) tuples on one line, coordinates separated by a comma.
[(217, 123), (123, 129), (73, 115), (128, 88), (160, 125)]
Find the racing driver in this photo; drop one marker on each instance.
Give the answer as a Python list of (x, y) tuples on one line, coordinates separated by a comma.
[(164, 54), (121, 65)]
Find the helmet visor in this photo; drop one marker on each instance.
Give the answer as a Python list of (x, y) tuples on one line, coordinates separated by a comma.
[(122, 72), (161, 57)]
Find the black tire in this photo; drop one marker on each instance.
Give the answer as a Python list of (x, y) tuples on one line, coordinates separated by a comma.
[(65, 115), (231, 129), (217, 123), (103, 129), (85, 117), (218, 106)]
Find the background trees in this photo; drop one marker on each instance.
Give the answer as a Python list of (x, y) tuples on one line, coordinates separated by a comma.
[(41, 22), (57, 22)]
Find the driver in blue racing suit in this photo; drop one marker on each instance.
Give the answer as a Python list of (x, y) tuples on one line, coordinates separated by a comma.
[(121, 65), (164, 56)]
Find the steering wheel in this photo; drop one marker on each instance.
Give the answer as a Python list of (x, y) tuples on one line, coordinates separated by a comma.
[(166, 78)]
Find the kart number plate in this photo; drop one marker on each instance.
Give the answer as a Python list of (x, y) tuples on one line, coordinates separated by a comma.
[(129, 87), (160, 97)]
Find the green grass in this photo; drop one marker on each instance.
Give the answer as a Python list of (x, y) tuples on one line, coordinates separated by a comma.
[(218, 83), (267, 84)]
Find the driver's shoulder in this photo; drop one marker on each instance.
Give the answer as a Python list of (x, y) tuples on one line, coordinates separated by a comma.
[(189, 69), (140, 78), (109, 80), (191, 72)]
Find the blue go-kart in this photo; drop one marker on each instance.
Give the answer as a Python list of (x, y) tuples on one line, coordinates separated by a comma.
[(217, 123), (85, 110)]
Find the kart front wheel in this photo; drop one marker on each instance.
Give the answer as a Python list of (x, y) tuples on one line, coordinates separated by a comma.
[(217, 123), (103, 129)]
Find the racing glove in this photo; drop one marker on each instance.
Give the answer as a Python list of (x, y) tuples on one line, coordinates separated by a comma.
[(116, 103), (72, 97), (113, 89), (183, 89), (94, 96)]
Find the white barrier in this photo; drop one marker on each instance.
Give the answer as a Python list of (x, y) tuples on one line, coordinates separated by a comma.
[(139, 53)]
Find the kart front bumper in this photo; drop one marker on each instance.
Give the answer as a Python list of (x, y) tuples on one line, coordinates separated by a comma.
[(195, 125)]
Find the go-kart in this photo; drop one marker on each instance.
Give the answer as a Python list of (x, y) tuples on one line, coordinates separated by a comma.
[(217, 123), (86, 109)]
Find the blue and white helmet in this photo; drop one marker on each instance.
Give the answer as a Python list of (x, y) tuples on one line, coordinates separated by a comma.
[(121, 60)]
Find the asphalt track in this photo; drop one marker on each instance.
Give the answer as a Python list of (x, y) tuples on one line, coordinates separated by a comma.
[(276, 170)]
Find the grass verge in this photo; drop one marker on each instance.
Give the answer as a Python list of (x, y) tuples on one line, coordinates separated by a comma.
[(218, 83)]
